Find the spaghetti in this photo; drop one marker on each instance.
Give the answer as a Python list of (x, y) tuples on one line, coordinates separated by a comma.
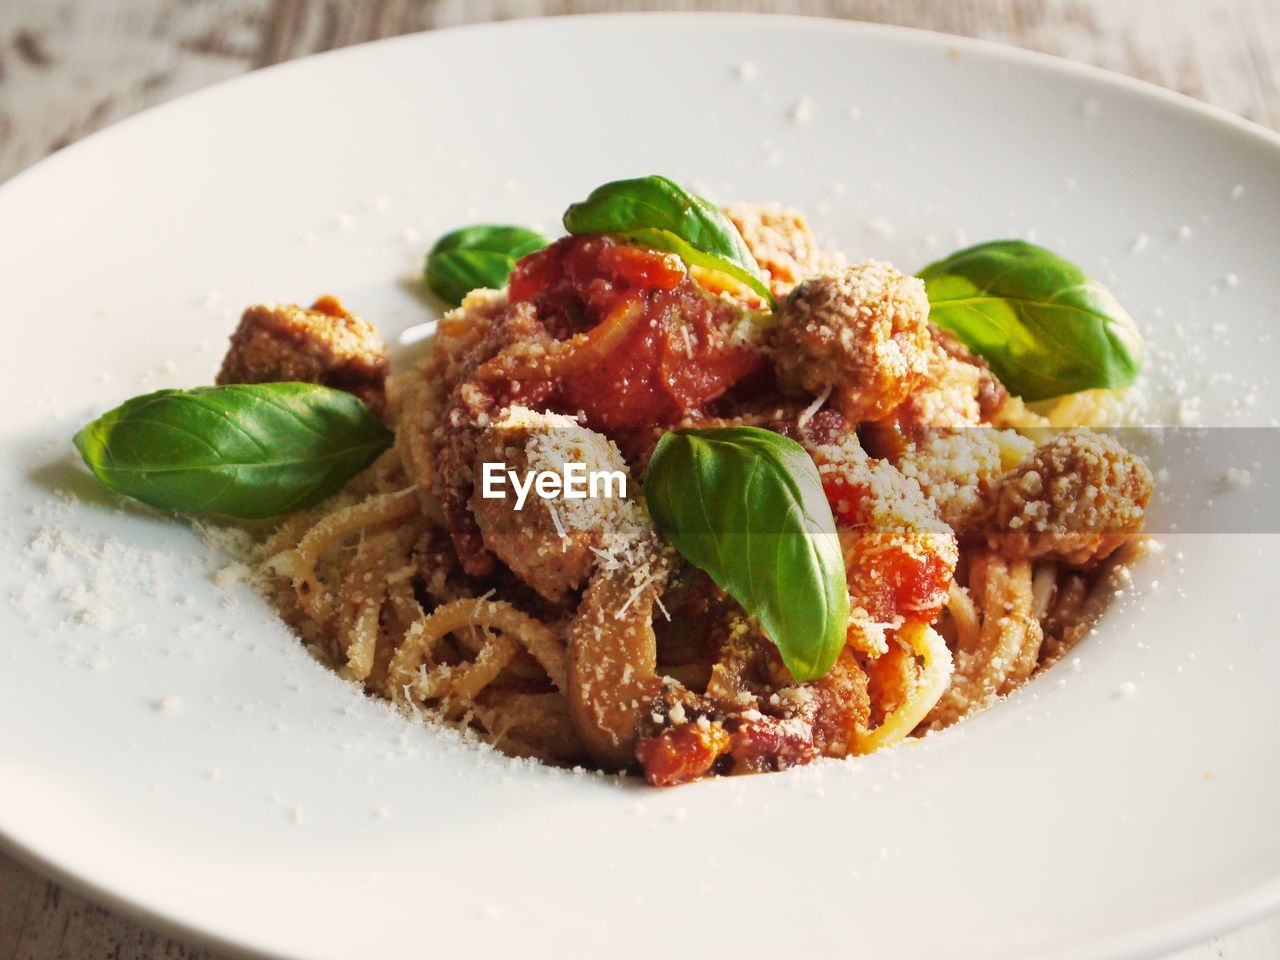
[(581, 637)]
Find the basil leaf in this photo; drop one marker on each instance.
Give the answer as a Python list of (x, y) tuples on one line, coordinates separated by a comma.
[(654, 212), (747, 506), (479, 257), (245, 451), (1045, 327)]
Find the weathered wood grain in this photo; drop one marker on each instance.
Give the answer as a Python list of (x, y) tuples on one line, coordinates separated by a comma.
[(69, 67)]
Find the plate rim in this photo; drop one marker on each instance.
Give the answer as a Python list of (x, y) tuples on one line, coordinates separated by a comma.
[(1193, 926)]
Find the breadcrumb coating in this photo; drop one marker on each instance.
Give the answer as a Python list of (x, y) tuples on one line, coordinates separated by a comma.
[(862, 333), (956, 469), (550, 543), (1076, 499), (947, 394), (782, 242), (324, 344)]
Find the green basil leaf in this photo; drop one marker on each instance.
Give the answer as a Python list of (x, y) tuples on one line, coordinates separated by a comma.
[(1045, 327), (247, 451), (747, 506), (654, 212), (479, 257)]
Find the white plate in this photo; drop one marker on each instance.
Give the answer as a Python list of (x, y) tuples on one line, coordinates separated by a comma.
[(166, 745)]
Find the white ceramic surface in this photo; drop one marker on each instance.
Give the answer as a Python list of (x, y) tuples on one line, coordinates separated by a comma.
[(166, 745)]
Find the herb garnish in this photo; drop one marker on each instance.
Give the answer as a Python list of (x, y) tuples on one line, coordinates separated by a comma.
[(478, 257), (246, 451), (1045, 327), (746, 505), (657, 213)]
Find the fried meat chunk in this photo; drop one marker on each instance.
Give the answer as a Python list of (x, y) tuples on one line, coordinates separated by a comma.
[(782, 243), (1077, 498), (862, 334), (322, 344), (549, 543)]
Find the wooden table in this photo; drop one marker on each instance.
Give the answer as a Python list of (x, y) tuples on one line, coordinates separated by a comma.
[(69, 67)]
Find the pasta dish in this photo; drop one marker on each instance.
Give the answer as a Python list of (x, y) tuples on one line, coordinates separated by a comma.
[(855, 511)]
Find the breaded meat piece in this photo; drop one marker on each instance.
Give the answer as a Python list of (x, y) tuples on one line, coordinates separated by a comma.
[(322, 344), (549, 544), (1076, 499), (862, 333), (782, 242)]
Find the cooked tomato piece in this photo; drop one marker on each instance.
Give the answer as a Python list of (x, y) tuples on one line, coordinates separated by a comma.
[(649, 346), (643, 268), (845, 498), (681, 753), (577, 281), (891, 571)]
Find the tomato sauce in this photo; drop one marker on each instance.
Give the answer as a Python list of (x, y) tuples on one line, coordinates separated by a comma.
[(649, 345), (682, 753), (890, 572)]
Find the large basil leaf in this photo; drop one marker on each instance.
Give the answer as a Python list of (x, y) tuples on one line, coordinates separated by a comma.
[(747, 506), (479, 257), (246, 451), (1045, 327), (656, 213)]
